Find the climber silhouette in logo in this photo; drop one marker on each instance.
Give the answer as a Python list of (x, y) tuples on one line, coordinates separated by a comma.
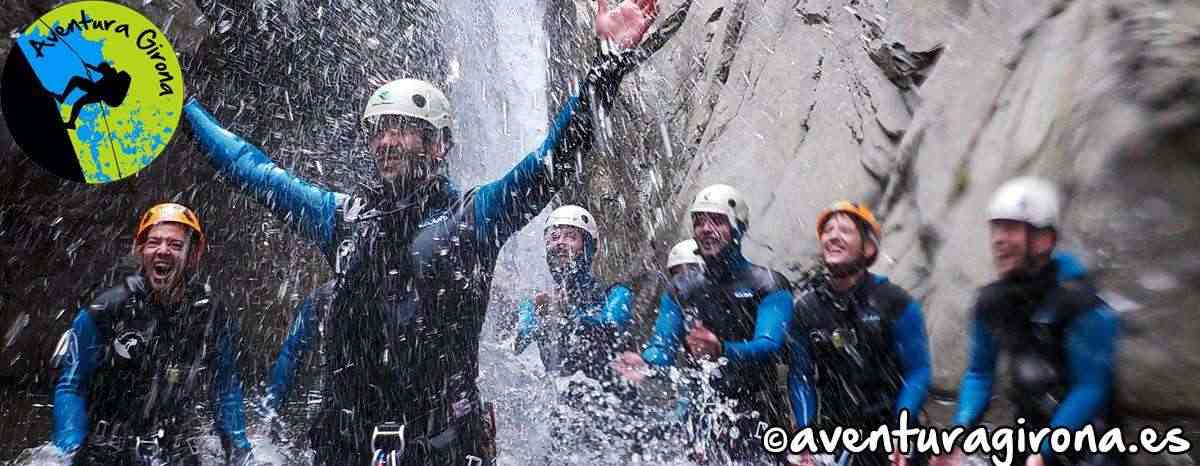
[(111, 89)]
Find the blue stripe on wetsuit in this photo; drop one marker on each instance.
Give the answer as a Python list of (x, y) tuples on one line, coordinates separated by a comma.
[(668, 333), (527, 325), (299, 340), (71, 392), (801, 391), (771, 323), (307, 207), (227, 387), (912, 349), (506, 205)]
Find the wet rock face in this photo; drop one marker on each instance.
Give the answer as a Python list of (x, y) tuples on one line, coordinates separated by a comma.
[(922, 109)]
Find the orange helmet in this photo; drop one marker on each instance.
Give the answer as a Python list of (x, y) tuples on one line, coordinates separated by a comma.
[(169, 212), (858, 211)]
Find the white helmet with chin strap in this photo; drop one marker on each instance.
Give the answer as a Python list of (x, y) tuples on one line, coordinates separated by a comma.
[(1026, 199), (411, 98), (725, 200), (684, 252), (573, 215)]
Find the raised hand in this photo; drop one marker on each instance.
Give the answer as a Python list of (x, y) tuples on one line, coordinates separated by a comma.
[(626, 24)]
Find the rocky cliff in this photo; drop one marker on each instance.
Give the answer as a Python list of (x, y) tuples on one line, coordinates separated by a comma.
[(921, 109)]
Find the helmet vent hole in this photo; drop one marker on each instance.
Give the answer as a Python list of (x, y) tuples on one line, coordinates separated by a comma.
[(732, 203), (418, 100)]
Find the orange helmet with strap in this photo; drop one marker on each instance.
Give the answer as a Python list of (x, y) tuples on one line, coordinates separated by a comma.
[(858, 211), (170, 212)]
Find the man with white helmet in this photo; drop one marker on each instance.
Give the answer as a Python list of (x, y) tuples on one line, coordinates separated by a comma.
[(578, 326), (414, 260), (1044, 315), (733, 311), (684, 257)]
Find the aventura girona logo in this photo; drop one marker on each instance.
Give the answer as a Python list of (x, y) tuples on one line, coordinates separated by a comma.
[(92, 91)]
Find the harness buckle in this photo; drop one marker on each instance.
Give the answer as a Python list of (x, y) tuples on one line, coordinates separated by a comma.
[(148, 446), (101, 430), (388, 437), (473, 460)]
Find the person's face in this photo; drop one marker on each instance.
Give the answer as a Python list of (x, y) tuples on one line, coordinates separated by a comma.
[(842, 244), (712, 232), (681, 269), (1013, 243), (407, 153), (564, 244), (164, 255)]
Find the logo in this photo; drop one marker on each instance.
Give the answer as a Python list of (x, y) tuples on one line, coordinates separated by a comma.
[(129, 344), (743, 293), (92, 91)]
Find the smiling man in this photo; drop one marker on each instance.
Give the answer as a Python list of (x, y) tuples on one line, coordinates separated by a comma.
[(151, 360), (414, 257), (1044, 315), (729, 310), (859, 353)]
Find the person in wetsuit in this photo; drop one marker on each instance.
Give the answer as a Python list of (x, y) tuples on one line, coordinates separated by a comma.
[(733, 314), (1044, 316), (578, 327), (858, 349), (414, 261), (152, 361), (111, 88)]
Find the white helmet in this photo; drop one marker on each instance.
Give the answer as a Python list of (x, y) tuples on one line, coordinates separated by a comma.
[(684, 252), (411, 98), (575, 216), (1026, 199), (725, 200)]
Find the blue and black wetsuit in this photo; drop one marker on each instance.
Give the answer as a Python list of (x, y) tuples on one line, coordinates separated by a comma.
[(303, 334), (1060, 339), (577, 340), (132, 367), (586, 338), (749, 308), (858, 358), (413, 286)]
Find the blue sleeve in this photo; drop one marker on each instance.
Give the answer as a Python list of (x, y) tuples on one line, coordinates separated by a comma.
[(231, 415), (976, 388), (527, 324), (617, 312), (299, 341), (800, 370), (309, 208), (504, 206), (1091, 347), (770, 330), (71, 422), (668, 333), (912, 347)]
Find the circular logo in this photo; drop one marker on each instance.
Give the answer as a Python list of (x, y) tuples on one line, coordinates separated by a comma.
[(129, 344), (92, 91)]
